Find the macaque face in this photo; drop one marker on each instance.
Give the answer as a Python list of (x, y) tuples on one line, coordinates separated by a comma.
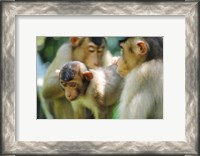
[(131, 56), (72, 77), (70, 80), (94, 55), (122, 68), (91, 53), (72, 89)]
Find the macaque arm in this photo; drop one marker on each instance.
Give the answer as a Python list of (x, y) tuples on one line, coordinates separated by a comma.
[(148, 91), (107, 58), (79, 111), (142, 104), (115, 59), (51, 87)]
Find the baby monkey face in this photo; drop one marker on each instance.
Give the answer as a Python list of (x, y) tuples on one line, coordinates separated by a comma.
[(72, 88), (72, 91), (72, 77)]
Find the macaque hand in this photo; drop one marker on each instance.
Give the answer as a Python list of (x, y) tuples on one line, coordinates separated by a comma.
[(115, 59)]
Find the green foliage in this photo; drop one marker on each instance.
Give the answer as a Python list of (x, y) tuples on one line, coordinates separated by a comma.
[(115, 113), (48, 46), (113, 45)]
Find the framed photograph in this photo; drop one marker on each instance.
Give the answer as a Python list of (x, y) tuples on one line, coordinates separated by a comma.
[(34, 35), (67, 91)]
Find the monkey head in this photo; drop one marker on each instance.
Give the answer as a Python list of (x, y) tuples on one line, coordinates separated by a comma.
[(134, 52), (89, 50), (137, 50), (72, 78)]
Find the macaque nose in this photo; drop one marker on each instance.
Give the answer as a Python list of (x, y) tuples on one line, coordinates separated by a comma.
[(69, 95)]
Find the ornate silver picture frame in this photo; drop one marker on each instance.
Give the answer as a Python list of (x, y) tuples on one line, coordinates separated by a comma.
[(10, 10)]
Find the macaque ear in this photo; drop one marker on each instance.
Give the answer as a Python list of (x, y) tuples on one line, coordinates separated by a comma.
[(74, 41), (88, 75), (143, 48)]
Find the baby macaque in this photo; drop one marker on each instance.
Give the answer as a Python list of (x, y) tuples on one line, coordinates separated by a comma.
[(90, 50), (92, 89)]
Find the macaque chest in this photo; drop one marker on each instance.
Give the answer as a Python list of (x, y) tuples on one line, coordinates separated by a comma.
[(85, 101)]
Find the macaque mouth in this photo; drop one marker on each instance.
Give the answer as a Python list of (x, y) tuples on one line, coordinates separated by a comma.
[(72, 98)]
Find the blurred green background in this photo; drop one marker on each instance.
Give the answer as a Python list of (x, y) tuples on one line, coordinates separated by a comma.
[(46, 51)]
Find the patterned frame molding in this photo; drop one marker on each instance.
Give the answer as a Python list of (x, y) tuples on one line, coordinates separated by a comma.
[(10, 10)]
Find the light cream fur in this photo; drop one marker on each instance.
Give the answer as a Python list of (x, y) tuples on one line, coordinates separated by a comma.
[(142, 95)]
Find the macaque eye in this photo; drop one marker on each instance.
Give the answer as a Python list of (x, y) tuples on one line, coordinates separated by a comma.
[(91, 49), (63, 83), (72, 84), (100, 50)]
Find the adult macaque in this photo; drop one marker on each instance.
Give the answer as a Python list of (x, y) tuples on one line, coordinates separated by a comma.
[(141, 64), (93, 89), (90, 50)]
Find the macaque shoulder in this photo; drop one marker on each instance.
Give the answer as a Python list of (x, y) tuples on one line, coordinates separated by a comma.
[(148, 74), (64, 52), (152, 70), (97, 85), (98, 78), (148, 71)]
